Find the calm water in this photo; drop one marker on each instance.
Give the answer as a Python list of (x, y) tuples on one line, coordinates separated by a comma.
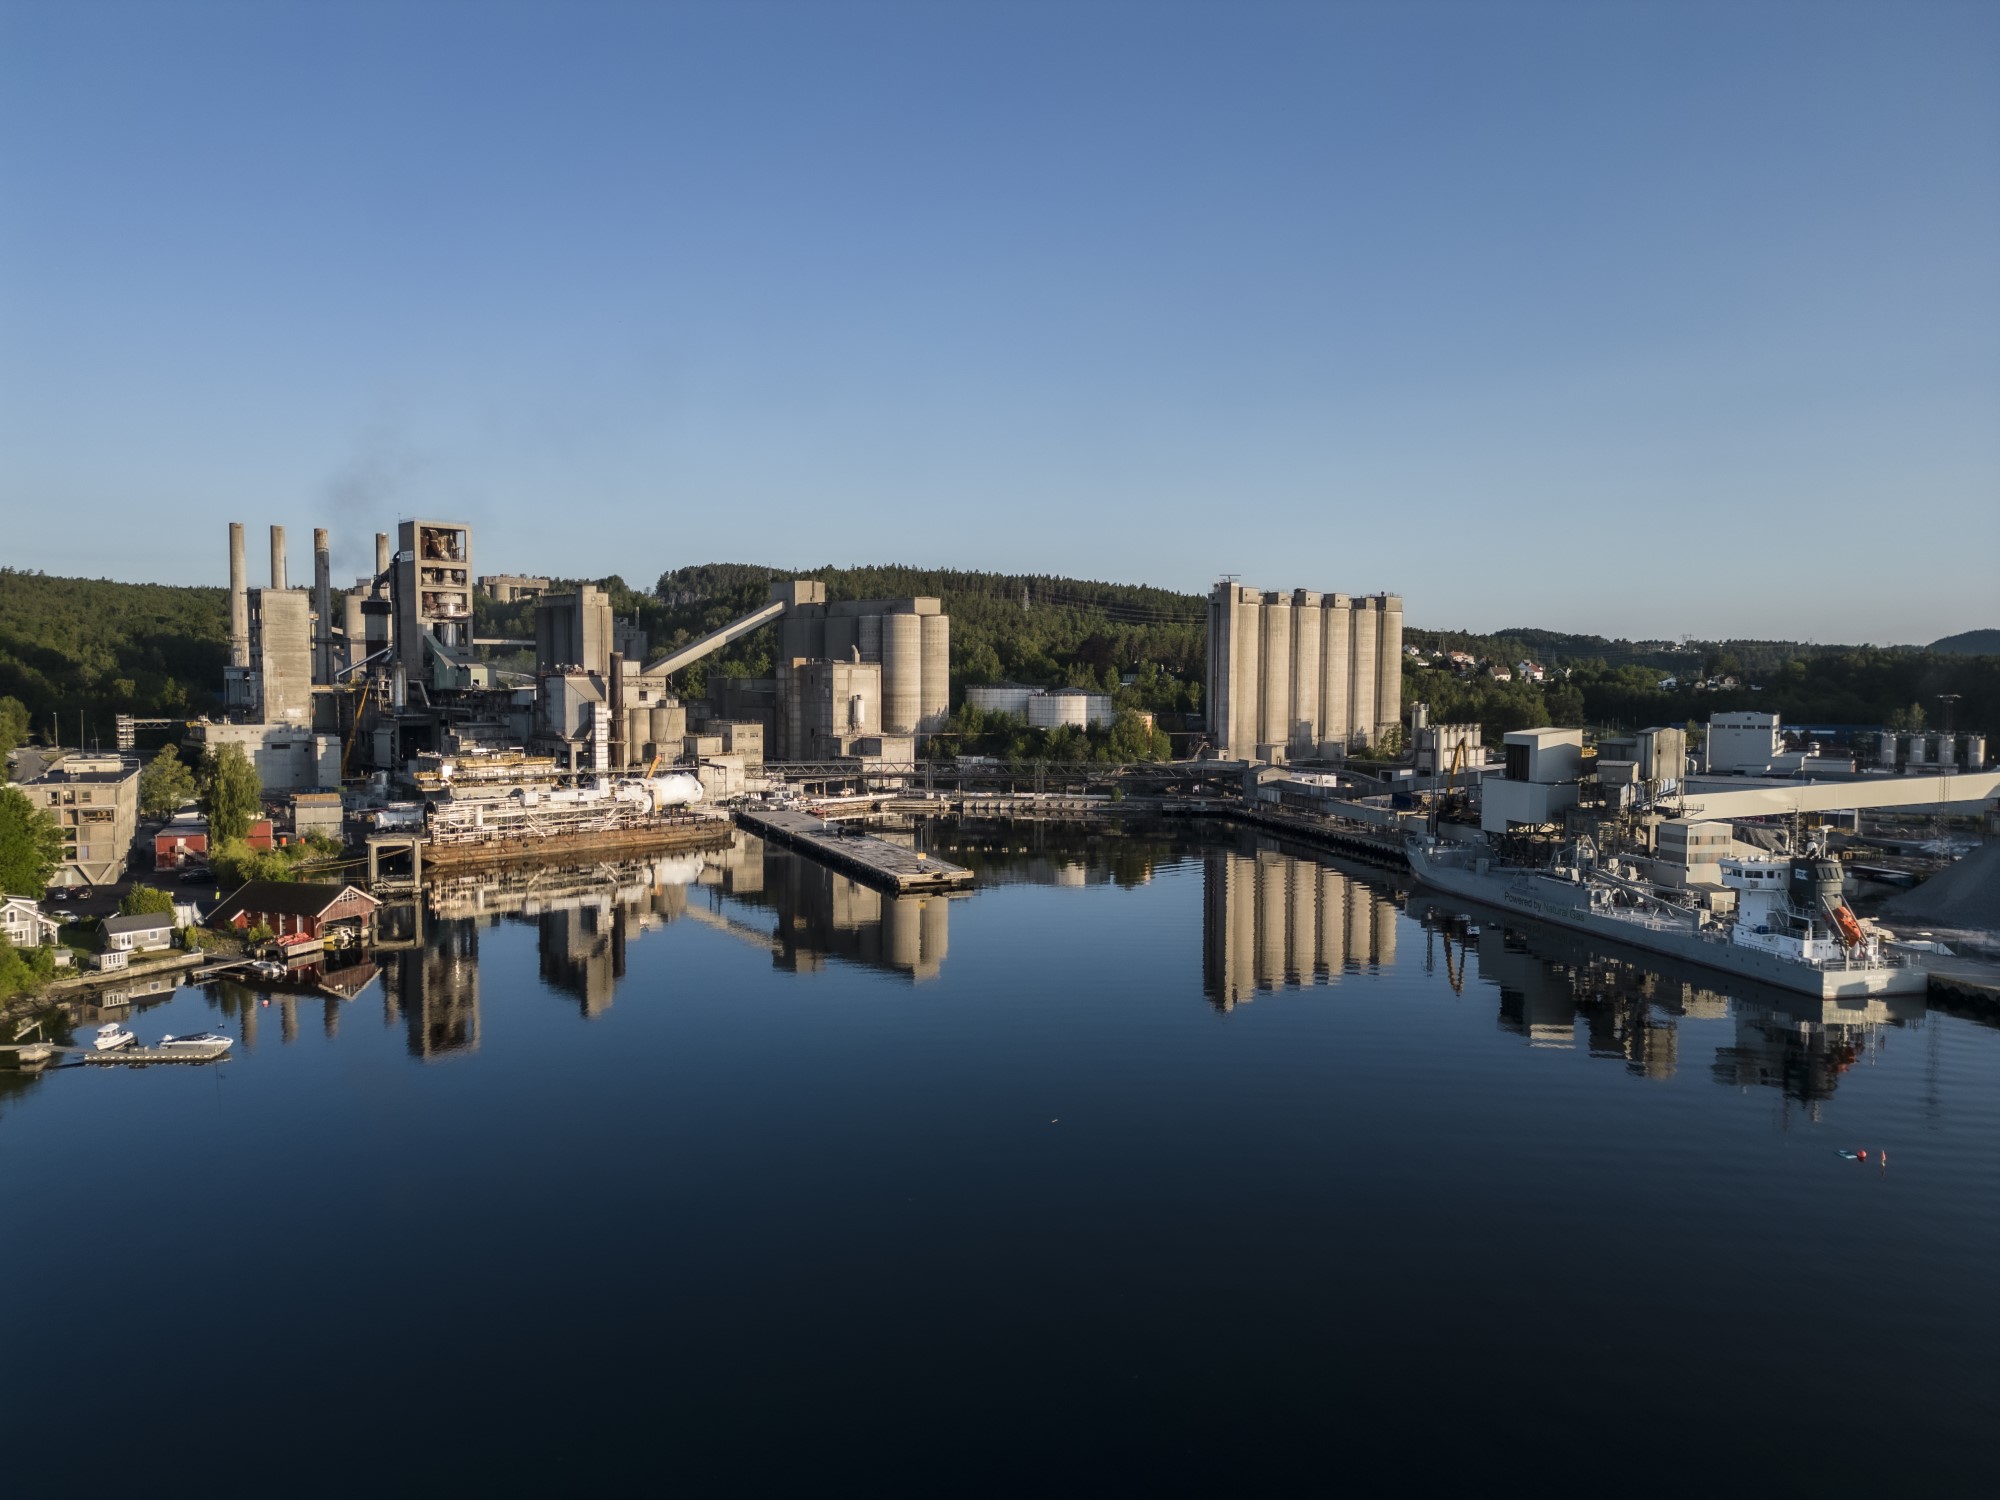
[(1158, 1165)]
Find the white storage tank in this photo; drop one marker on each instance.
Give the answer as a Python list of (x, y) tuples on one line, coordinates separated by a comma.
[(1068, 706), (999, 698)]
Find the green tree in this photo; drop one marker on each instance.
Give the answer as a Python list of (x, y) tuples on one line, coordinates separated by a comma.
[(13, 727), (31, 845), (144, 900), (232, 797), (165, 784)]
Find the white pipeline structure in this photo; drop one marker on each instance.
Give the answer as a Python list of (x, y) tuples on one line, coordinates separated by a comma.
[(1302, 675)]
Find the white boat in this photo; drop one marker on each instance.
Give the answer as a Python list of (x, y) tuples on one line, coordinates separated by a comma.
[(111, 1036), (197, 1041)]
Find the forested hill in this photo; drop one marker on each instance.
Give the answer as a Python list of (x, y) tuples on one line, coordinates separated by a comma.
[(70, 645), (1970, 643)]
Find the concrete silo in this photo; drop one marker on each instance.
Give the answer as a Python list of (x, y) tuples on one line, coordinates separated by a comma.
[(1336, 719), (1361, 683), (1274, 688), (868, 636), (1306, 642), (934, 691), (902, 672), (1389, 664)]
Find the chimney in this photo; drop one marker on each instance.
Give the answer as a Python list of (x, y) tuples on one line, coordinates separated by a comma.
[(239, 599), (278, 557), (381, 553), (323, 605)]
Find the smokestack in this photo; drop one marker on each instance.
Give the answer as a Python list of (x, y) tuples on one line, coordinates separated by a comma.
[(239, 599), (278, 557), (323, 604), (381, 553)]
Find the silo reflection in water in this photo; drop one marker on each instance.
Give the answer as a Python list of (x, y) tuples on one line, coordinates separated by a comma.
[(1272, 920)]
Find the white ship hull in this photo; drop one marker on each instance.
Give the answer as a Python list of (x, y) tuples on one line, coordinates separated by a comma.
[(1566, 905)]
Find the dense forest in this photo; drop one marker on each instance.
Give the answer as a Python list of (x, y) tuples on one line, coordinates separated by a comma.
[(91, 646)]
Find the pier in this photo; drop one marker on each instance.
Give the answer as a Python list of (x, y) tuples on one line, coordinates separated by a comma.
[(867, 858)]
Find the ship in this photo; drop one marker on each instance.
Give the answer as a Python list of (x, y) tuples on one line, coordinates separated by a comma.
[(1790, 927)]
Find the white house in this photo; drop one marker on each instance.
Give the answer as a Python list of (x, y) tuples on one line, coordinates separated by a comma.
[(24, 924)]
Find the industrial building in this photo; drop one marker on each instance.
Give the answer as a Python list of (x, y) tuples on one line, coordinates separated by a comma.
[(94, 800), (390, 678), (1302, 676)]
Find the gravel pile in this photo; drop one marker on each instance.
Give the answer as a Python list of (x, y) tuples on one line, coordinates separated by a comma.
[(1963, 895)]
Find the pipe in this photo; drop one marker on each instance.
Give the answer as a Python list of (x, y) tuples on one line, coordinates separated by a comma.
[(322, 606), (278, 557), (239, 599)]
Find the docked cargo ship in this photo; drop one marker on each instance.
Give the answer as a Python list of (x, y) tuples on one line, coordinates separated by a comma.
[(1790, 927)]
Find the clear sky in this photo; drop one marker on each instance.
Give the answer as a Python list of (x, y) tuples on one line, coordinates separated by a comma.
[(1641, 319)]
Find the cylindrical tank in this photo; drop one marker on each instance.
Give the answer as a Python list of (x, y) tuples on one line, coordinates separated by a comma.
[(278, 558), (1389, 662), (1361, 689), (381, 553), (857, 714), (1240, 729), (999, 699), (1274, 686), (638, 727), (902, 673), (934, 691), (1306, 629), (868, 636), (1885, 750), (356, 631), (239, 599), (1916, 749), (668, 725), (1947, 751), (1975, 752), (1059, 710), (1336, 673)]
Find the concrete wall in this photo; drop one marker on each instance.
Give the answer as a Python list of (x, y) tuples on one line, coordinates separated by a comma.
[(287, 758)]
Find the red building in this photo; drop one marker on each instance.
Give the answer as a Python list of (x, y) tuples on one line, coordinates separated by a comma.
[(293, 910), (184, 841)]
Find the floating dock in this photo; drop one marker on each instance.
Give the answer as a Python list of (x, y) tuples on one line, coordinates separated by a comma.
[(874, 861), (213, 1052)]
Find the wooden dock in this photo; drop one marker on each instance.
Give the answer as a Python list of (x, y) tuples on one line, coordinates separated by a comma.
[(874, 861)]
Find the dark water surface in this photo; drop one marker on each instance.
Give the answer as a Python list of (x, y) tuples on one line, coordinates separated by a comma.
[(1151, 1165)]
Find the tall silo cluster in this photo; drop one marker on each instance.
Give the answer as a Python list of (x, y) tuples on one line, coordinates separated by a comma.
[(1302, 675)]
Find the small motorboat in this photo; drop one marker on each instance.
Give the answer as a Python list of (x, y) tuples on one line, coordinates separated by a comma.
[(111, 1036), (264, 968), (197, 1041)]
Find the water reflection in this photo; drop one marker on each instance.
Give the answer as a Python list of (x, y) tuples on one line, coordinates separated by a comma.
[(1631, 1008), (1270, 920)]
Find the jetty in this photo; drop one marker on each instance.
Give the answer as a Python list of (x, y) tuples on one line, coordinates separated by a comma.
[(846, 848), (209, 1052)]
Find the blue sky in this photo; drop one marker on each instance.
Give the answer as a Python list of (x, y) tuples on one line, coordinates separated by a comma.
[(1649, 320)]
